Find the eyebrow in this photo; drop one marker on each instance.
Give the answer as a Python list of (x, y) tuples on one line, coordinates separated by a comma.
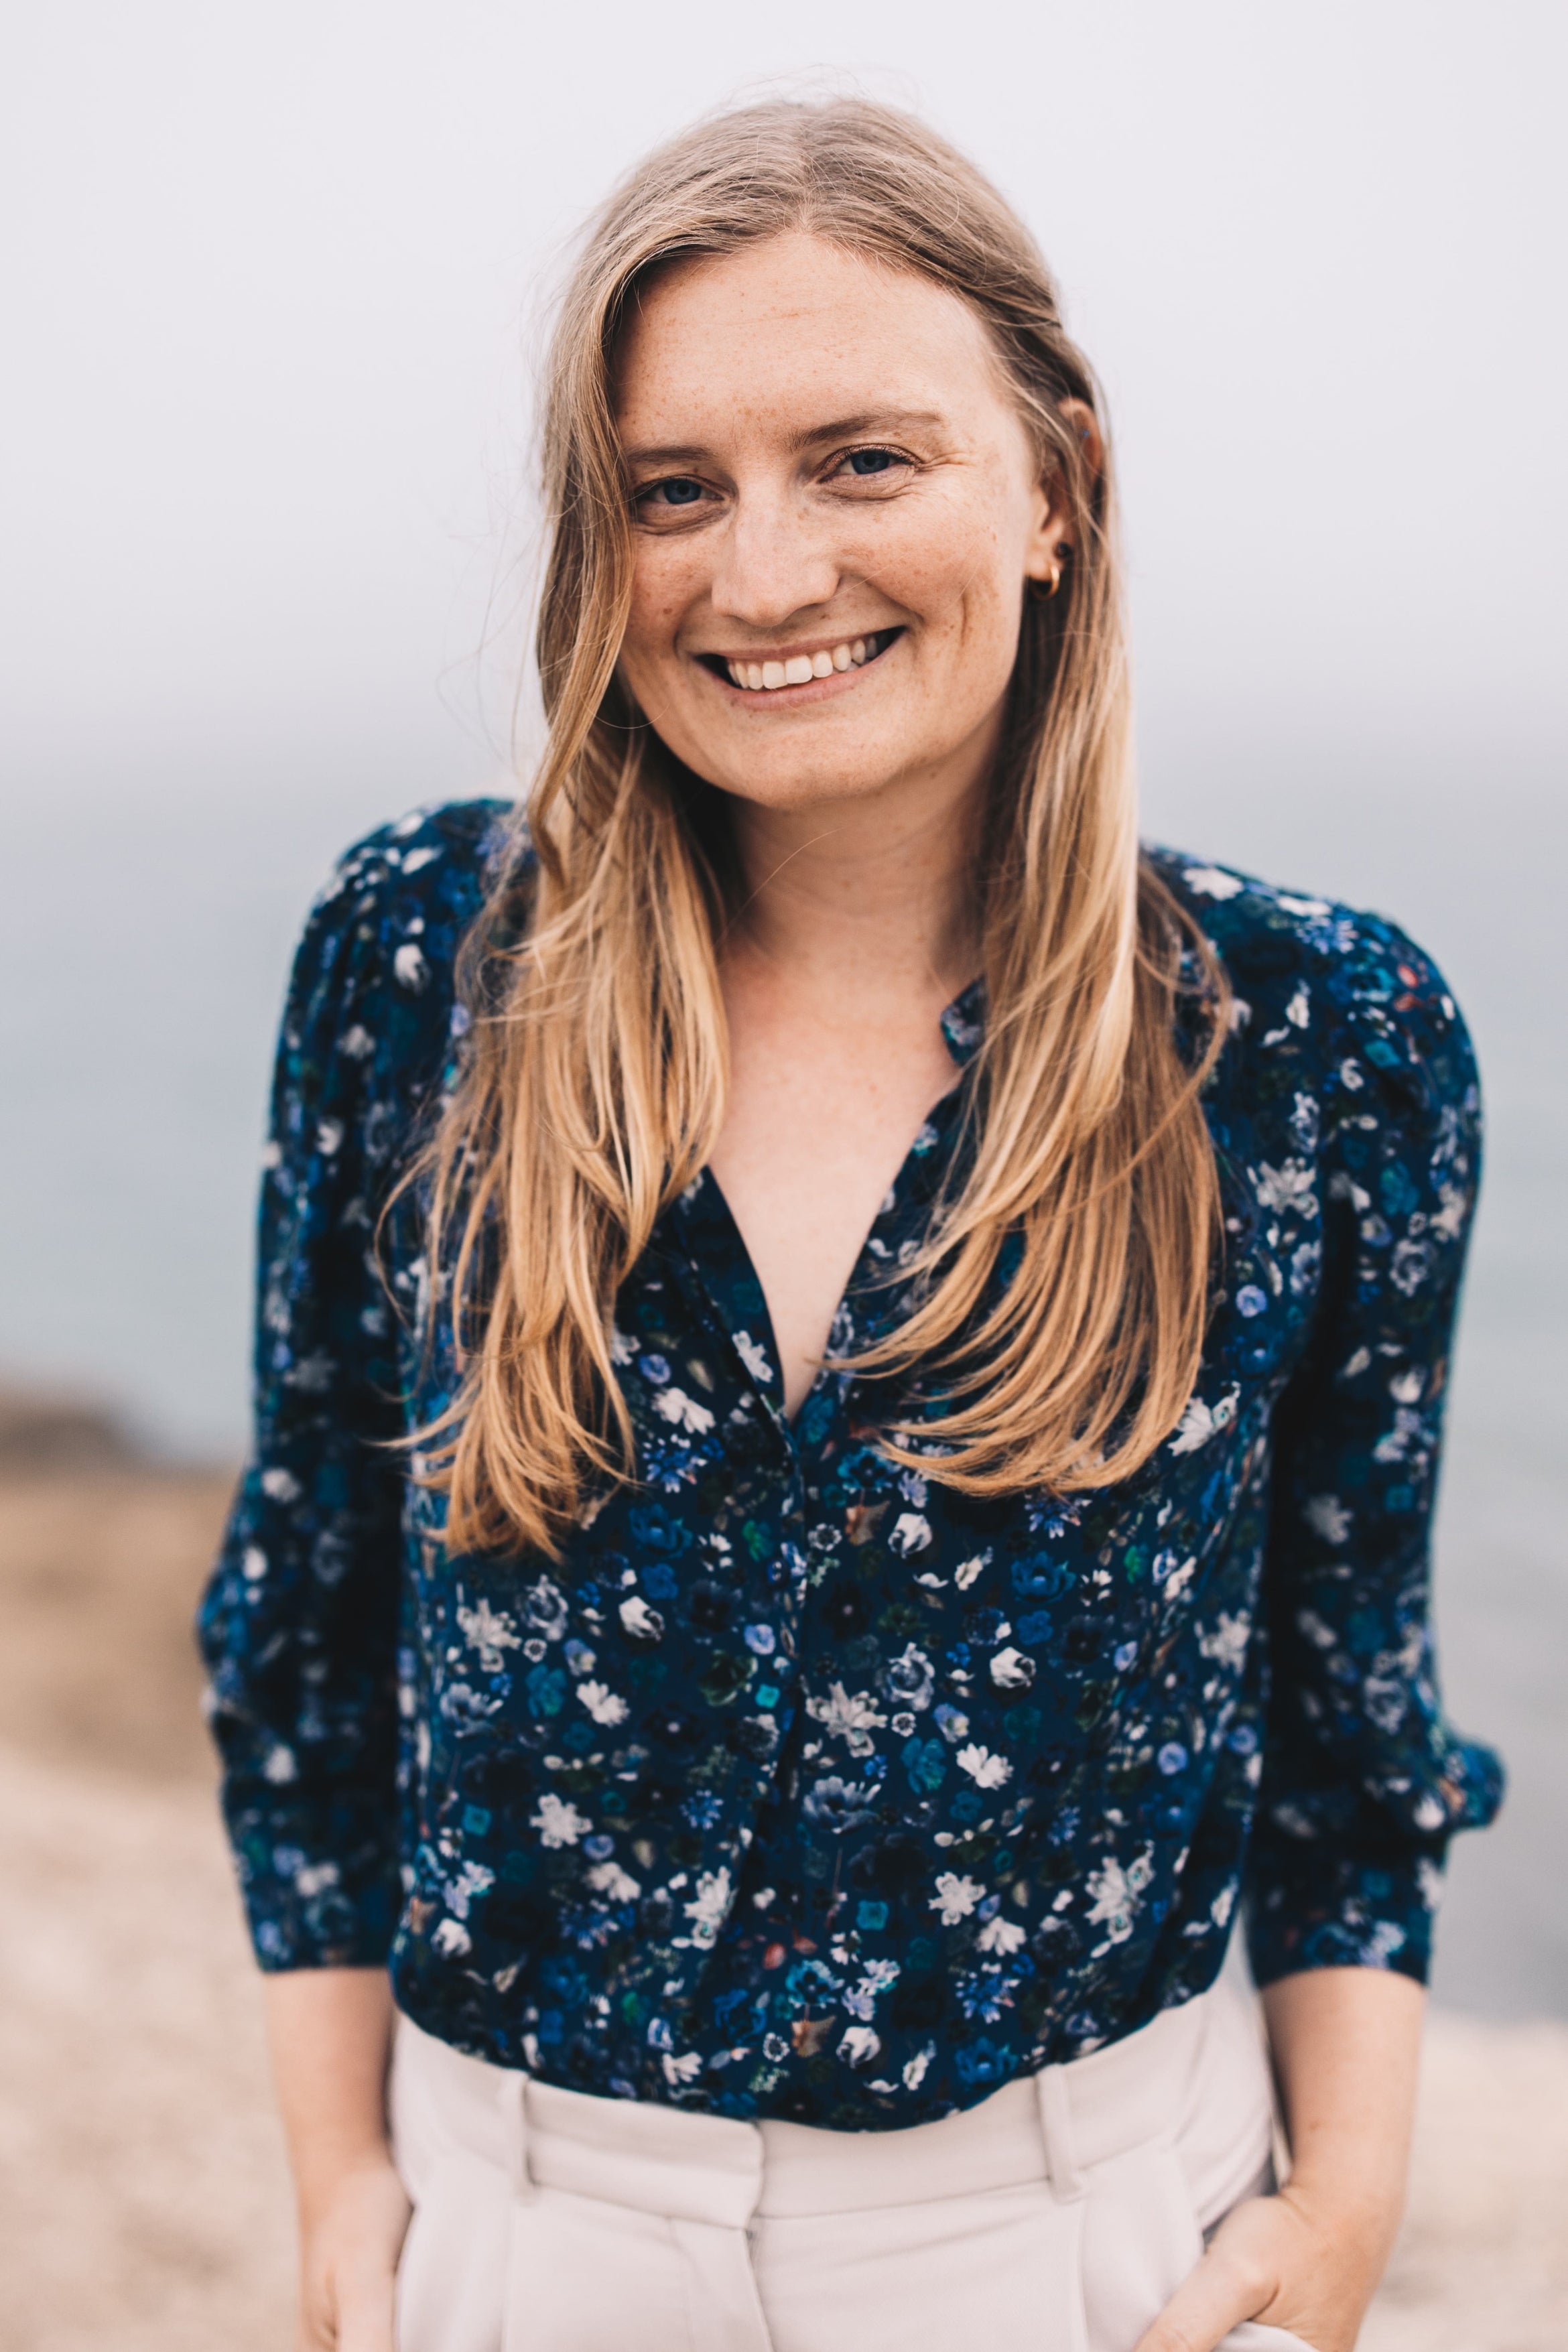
[(870, 420)]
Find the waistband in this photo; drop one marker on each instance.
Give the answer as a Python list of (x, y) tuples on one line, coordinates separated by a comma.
[(1195, 2078)]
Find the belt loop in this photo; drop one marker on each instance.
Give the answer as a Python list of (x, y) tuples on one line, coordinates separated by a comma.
[(514, 2119), (1055, 2129)]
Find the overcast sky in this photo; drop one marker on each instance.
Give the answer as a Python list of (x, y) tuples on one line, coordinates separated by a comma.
[(275, 269)]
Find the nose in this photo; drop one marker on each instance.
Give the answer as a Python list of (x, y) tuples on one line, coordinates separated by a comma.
[(774, 561)]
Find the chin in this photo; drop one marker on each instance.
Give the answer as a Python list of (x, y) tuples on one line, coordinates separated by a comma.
[(805, 785)]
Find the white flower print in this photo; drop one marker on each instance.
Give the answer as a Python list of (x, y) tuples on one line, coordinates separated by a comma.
[(968, 1570), (1116, 1891), (1448, 1221), (877, 1976), (1004, 1937), (450, 1940), (676, 1406), (682, 2066), (1226, 1643), (1410, 1266), (919, 2066), (471, 1880), (1011, 1670), (544, 1609), (490, 1632), (1387, 1703), (910, 1678), (955, 1897), (910, 1533), (1299, 1011), (753, 1356), (609, 1878), (709, 1907), (1407, 1433), (558, 1822), (1201, 1420), (850, 1716), (1327, 1516), (606, 1706), (986, 1771), (1212, 881), (410, 968), (858, 2045), (1289, 1188), (644, 1624)]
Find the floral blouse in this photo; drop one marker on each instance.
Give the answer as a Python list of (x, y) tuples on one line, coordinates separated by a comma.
[(803, 1786)]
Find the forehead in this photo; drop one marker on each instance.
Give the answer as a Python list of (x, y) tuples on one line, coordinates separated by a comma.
[(791, 329)]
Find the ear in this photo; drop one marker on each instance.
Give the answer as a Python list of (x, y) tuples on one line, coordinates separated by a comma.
[(1052, 537)]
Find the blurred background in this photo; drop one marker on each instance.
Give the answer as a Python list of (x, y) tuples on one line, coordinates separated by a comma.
[(273, 285)]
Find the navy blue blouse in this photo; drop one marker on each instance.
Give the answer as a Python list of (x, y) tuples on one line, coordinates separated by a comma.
[(803, 1786)]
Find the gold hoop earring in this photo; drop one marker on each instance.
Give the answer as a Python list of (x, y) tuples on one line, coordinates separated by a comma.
[(1042, 591)]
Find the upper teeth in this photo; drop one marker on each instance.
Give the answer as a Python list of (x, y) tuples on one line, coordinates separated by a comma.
[(767, 677)]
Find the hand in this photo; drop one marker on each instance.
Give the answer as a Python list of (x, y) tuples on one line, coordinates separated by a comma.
[(1300, 2260), (348, 2262)]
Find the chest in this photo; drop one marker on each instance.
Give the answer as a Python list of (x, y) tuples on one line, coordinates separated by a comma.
[(819, 1120)]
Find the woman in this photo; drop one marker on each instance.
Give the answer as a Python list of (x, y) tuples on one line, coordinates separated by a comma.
[(849, 1373)]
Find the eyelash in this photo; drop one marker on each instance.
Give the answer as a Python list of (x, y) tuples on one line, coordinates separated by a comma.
[(645, 499)]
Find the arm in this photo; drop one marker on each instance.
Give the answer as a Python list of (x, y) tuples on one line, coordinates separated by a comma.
[(300, 1622), (1363, 1780), (329, 2032), (1346, 2043)]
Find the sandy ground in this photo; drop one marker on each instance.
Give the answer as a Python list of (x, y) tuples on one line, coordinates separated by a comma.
[(143, 2201)]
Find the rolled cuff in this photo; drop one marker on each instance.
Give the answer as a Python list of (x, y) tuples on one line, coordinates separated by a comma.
[(321, 1887)]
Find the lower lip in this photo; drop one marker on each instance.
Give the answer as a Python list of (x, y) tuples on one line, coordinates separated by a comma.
[(811, 689)]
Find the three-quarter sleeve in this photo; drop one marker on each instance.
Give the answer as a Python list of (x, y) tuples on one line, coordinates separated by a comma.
[(299, 1627), (1363, 1780)]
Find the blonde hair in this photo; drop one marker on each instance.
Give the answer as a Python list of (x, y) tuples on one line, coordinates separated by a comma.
[(594, 1090)]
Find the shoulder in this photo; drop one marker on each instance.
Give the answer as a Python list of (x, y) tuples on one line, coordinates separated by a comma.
[(435, 860), (1314, 979), (399, 903), (372, 992)]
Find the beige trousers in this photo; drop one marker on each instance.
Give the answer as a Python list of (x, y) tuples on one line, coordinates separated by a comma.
[(1058, 2215)]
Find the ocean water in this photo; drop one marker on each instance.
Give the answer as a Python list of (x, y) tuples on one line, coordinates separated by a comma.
[(146, 936)]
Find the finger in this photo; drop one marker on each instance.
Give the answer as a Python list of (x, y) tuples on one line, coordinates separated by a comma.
[(1211, 2300)]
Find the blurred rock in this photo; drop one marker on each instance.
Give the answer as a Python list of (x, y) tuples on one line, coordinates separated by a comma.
[(100, 1569), (58, 1434)]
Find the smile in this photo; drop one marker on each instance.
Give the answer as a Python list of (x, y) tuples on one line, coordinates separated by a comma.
[(799, 669)]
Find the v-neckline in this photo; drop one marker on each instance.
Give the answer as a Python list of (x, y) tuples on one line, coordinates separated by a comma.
[(717, 1249)]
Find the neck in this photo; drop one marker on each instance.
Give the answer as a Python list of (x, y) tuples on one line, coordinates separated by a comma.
[(866, 897)]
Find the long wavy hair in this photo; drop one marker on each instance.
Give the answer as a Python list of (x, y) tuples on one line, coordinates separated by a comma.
[(594, 1089)]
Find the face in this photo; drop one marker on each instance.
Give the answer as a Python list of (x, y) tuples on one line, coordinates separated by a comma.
[(835, 511)]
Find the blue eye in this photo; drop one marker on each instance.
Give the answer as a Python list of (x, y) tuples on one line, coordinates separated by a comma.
[(871, 461), (680, 492)]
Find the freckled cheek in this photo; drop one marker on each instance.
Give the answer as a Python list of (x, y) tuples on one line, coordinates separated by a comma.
[(965, 598), (948, 568), (662, 594)]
